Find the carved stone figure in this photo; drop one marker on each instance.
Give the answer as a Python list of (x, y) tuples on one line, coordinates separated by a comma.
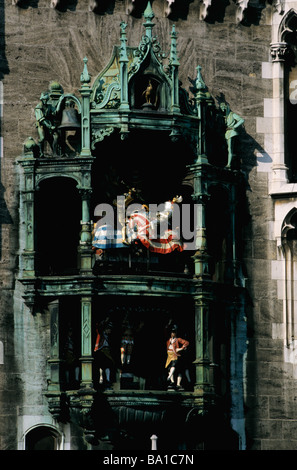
[(47, 131), (232, 121)]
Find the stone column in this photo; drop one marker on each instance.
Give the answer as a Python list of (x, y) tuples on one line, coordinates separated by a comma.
[(27, 223), (204, 383), (200, 197), (124, 69), (54, 391), (86, 392), (27, 215), (85, 247), (54, 361), (174, 64), (86, 342), (279, 52)]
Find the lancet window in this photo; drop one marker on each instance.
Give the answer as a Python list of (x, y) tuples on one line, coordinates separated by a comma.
[(289, 247)]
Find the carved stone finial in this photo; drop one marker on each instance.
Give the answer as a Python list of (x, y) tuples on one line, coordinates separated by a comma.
[(30, 146), (204, 6), (130, 4), (148, 16), (148, 12), (93, 5), (85, 77), (279, 6), (200, 84), (241, 7), (55, 3), (168, 8)]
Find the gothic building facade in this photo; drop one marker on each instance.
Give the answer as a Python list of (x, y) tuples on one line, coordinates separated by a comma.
[(148, 219)]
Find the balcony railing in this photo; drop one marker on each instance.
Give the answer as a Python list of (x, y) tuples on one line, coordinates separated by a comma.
[(130, 261)]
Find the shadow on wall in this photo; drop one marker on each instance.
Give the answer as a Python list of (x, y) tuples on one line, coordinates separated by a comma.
[(254, 155), (5, 217)]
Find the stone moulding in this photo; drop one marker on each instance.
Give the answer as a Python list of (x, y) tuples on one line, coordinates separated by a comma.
[(204, 7), (168, 8), (279, 6), (241, 7), (55, 3), (130, 5), (93, 4), (111, 284)]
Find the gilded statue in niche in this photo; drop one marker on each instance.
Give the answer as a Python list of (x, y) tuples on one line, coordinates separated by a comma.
[(148, 92)]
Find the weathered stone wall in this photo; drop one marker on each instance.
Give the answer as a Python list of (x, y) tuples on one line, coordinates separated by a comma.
[(42, 44)]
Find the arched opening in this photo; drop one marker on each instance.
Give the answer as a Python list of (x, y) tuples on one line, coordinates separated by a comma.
[(42, 438), (57, 227)]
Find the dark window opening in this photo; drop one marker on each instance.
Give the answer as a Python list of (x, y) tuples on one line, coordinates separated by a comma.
[(289, 35), (156, 168), (57, 222), (70, 342), (290, 120), (42, 438)]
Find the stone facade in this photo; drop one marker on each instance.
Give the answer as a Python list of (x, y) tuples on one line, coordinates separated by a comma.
[(42, 41)]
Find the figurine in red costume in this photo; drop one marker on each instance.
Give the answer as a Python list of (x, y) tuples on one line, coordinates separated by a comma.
[(175, 346), (104, 360)]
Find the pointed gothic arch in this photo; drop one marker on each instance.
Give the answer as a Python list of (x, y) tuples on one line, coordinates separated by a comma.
[(288, 26)]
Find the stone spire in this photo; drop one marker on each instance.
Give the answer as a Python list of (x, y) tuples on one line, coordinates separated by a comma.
[(148, 15)]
